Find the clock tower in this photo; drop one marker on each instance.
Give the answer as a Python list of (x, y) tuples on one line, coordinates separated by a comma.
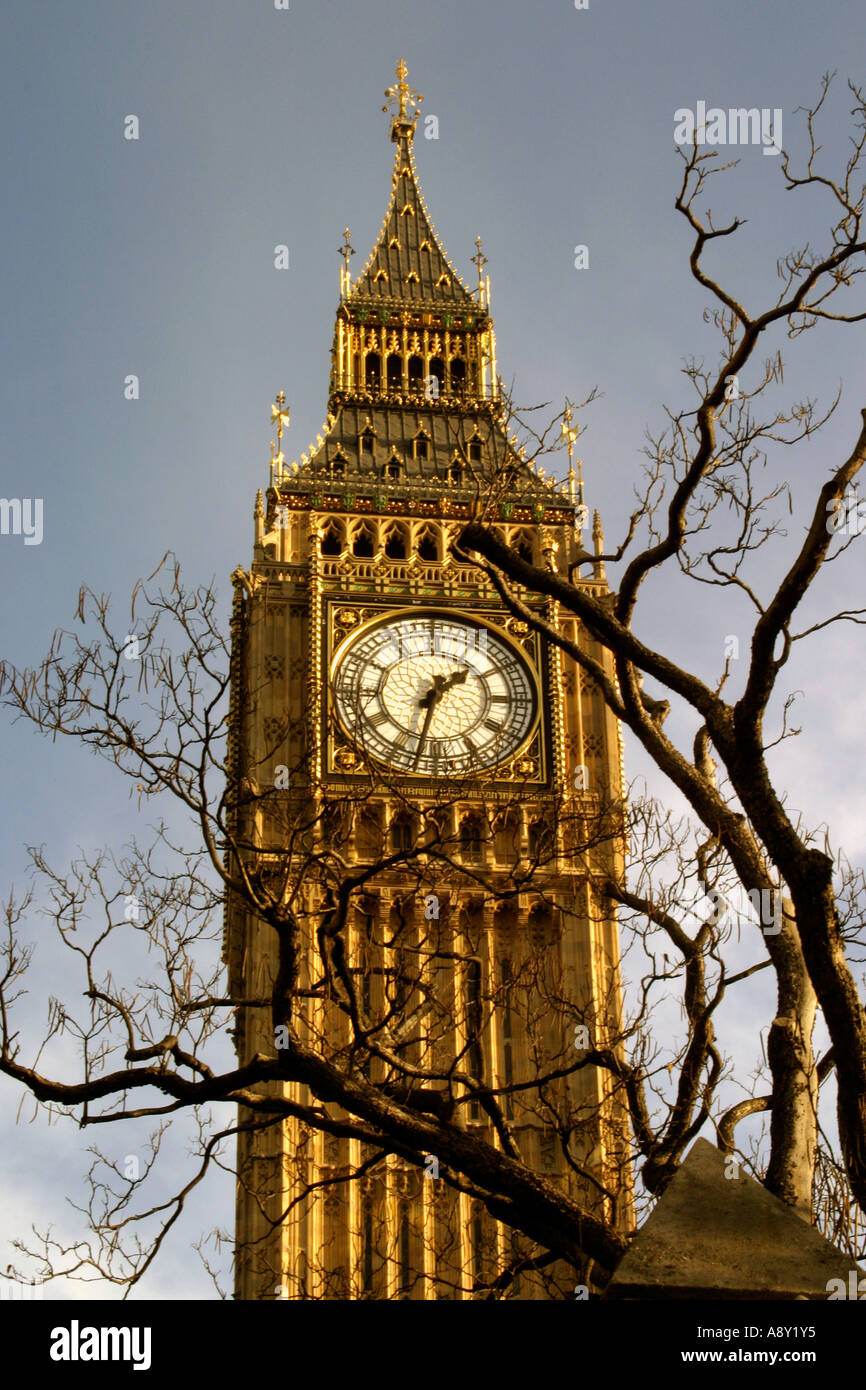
[(425, 789)]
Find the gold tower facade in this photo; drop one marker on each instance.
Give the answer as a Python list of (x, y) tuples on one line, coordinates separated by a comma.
[(395, 728)]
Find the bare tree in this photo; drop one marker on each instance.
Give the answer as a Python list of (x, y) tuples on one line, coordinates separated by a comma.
[(703, 512), (388, 1057)]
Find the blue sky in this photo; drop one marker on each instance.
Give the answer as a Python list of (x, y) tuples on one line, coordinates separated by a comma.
[(156, 257)]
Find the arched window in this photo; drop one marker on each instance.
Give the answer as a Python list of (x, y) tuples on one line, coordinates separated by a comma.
[(363, 542), (416, 373), (332, 540), (470, 837), (428, 544), (458, 376), (540, 839), (507, 837), (404, 1238), (437, 369), (395, 372), (523, 545), (368, 835), (396, 544), (372, 371), (474, 1019), (401, 835)]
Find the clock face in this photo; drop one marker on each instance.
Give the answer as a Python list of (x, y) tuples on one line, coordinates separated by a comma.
[(434, 694)]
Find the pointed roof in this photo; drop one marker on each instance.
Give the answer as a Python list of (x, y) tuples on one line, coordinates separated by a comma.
[(717, 1233), (408, 265)]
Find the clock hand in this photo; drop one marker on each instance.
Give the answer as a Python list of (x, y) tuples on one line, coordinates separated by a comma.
[(456, 678), (429, 702)]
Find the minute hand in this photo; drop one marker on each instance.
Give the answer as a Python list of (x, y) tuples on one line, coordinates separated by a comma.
[(430, 701)]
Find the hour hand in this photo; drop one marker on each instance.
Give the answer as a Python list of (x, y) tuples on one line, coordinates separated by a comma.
[(427, 701)]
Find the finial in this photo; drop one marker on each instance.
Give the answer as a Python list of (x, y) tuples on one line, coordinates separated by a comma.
[(570, 434), (346, 250), (279, 415), (598, 546), (401, 94), (480, 260)]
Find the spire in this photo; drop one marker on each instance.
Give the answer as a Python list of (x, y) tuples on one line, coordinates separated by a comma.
[(408, 264)]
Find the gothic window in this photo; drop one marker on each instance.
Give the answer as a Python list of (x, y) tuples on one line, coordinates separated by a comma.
[(407, 210), (394, 243), (443, 281), (475, 451), (368, 835), (412, 277), (395, 372), (522, 543), (477, 1242), (404, 1241), (422, 446), (475, 1057), (437, 369), (401, 835), (372, 371), (338, 469), (458, 376), (541, 927), (381, 275), (470, 838), (540, 839), (428, 544), (332, 540), (368, 442), (455, 474), (393, 470), (367, 1251), (425, 246), (363, 541), (396, 544), (507, 1037), (548, 1151), (416, 373), (507, 837)]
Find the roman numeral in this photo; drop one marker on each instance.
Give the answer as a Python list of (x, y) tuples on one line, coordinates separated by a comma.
[(380, 717), (499, 699), (493, 726)]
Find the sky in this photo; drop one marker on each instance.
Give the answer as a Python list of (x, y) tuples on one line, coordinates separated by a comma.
[(154, 257)]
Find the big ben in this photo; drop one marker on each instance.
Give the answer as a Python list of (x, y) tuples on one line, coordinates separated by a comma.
[(428, 790)]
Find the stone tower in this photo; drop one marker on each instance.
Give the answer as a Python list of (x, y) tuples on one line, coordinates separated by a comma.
[(423, 788)]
